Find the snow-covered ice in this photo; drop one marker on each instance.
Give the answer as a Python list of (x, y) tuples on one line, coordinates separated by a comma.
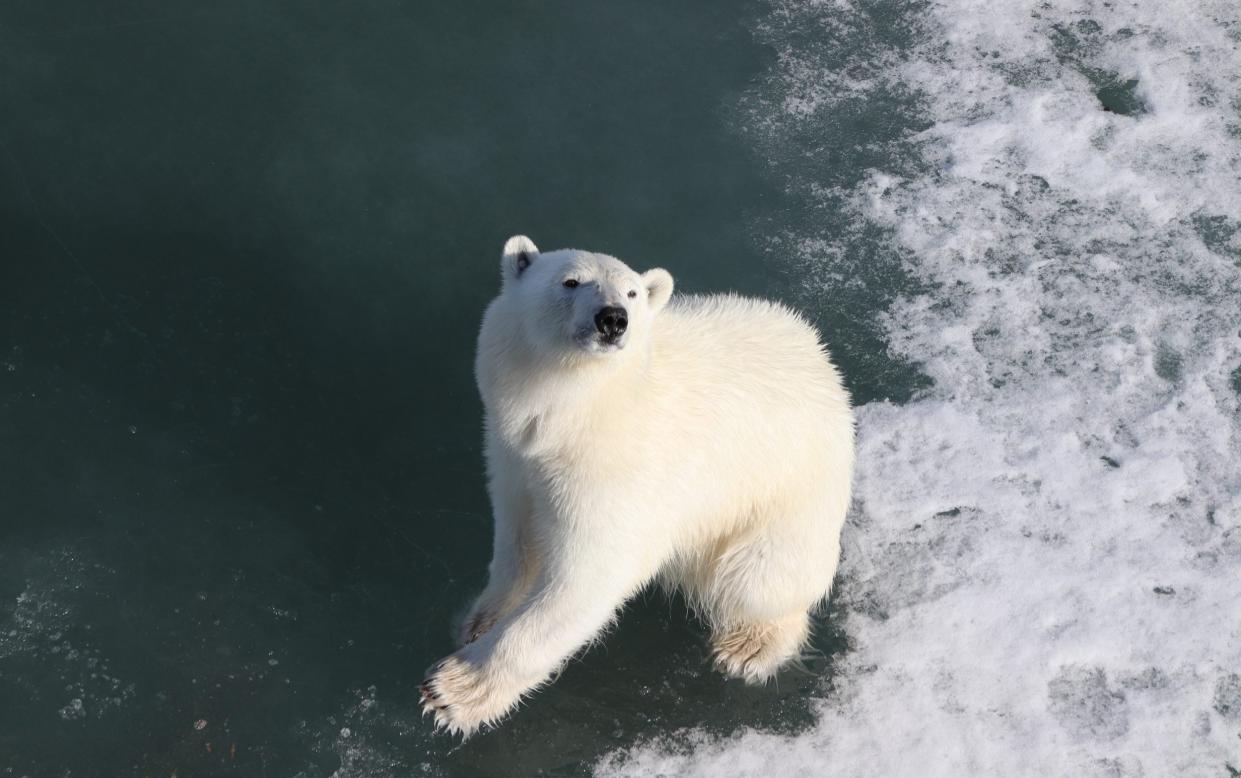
[(1043, 568)]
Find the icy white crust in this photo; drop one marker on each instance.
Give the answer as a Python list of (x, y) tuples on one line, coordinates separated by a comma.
[(1044, 577), (710, 448)]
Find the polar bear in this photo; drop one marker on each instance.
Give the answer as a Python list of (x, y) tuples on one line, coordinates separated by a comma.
[(704, 442)]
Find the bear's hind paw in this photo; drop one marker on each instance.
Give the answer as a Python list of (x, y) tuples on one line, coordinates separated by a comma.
[(755, 652)]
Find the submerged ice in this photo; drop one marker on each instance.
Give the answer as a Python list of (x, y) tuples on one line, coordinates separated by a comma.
[(1043, 569)]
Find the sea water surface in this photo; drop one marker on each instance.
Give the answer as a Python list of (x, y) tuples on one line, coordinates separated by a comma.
[(243, 252)]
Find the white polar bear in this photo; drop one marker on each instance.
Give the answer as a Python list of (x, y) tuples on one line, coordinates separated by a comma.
[(706, 443)]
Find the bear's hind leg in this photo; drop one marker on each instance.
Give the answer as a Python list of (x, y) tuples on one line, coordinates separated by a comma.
[(754, 652), (765, 583)]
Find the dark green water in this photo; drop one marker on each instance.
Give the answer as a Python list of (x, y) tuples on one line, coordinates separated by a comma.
[(243, 251)]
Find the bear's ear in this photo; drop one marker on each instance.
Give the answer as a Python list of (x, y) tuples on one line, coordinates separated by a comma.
[(519, 254), (658, 283)]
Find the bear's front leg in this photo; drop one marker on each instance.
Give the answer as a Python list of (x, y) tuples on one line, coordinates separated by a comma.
[(573, 599), (512, 568)]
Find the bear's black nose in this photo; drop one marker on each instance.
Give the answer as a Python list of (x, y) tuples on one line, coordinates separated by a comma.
[(611, 321)]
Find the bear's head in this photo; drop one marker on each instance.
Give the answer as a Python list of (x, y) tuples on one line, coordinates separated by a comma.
[(577, 302)]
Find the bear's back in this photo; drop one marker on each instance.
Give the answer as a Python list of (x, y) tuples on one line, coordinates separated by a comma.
[(737, 344), (741, 405)]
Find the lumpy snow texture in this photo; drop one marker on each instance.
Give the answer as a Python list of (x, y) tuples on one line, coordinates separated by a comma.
[(1042, 572)]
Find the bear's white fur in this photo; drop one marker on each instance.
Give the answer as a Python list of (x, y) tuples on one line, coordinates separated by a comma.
[(709, 446)]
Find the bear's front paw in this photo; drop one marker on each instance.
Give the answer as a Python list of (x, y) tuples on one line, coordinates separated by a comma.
[(475, 626), (463, 697)]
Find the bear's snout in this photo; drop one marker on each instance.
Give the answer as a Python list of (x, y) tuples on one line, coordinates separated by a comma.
[(611, 321)]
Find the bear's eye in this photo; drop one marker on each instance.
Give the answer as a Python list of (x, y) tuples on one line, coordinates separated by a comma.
[(570, 283), (632, 294)]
